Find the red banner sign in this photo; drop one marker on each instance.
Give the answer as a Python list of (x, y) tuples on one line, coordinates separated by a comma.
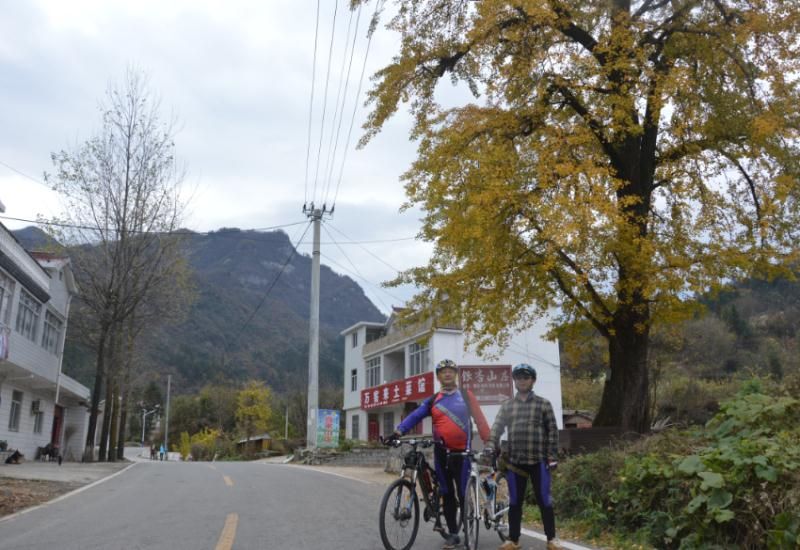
[(491, 384), (413, 388)]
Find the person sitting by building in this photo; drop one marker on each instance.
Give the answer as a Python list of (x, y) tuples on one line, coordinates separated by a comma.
[(451, 411)]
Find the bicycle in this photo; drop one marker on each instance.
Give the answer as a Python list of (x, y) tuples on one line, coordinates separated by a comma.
[(486, 500), (399, 510)]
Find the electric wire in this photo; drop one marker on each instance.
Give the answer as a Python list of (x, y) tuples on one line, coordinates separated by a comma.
[(311, 104), (349, 260), (269, 289), (373, 22), (325, 99), (143, 232), (23, 174), (378, 287), (368, 251), (334, 145)]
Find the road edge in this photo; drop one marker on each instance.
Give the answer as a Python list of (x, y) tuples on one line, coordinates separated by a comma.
[(67, 495)]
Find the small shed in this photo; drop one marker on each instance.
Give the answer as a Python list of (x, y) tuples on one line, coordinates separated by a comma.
[(574, 418), (256, 444)]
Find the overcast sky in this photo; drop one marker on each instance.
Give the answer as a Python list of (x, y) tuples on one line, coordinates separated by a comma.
[(237, 75)]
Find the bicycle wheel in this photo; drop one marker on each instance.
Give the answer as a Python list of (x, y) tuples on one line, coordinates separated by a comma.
[(399, 516), (501, 503), (470, 516)]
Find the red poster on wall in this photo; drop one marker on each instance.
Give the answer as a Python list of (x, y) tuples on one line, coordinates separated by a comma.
[(413, 388), (491, 384)]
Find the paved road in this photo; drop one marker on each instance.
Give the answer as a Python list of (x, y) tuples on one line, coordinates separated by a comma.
[(215, 506)]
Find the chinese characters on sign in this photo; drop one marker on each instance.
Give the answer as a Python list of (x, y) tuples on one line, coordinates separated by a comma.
[(413, 388), (327, 428), (491, 384)]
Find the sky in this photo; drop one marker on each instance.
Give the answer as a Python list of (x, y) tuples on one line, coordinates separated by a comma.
[(237, 76)]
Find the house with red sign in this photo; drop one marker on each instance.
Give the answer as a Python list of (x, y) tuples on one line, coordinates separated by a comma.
[(388, 372)]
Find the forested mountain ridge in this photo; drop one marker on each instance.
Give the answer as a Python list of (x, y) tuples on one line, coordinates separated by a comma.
[(233, 271)]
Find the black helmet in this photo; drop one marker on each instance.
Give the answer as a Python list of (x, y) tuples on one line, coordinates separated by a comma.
[(445, 364), (523, 368)]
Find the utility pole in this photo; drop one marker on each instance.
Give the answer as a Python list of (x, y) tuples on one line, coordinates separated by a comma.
[(166, 422), (315, 214)]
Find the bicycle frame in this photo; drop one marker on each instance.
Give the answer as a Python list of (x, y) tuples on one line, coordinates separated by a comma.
[(416, 469)]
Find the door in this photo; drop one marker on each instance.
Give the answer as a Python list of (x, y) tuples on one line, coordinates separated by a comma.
[(373, 427), (58, 420)]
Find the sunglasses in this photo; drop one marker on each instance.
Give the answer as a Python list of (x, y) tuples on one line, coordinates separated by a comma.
[(522, 377)]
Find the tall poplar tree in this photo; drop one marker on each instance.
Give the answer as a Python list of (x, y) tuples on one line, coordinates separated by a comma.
[(619, 156)]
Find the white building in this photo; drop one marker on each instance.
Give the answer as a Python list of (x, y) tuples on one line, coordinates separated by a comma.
[(38, 403), (388, 372)]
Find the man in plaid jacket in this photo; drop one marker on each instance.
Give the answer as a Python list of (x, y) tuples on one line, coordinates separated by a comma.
[(533, 452)]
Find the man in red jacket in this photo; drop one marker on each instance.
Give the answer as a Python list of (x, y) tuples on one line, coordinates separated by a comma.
[(452, 412)]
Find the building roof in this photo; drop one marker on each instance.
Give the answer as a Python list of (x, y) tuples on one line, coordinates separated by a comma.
[(255, 438), (361, 324)]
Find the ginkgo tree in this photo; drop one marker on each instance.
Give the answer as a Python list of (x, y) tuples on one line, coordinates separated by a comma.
[(618, 158)]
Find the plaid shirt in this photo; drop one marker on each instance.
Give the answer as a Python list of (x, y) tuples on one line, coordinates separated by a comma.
[(532, 429)]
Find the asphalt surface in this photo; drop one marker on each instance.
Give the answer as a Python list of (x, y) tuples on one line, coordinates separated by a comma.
[(219, 506)]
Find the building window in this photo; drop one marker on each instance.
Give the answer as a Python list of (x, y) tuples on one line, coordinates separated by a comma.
[(373, 372), (16, 409), (354, 339), (51, 335), (6, 292), (388, 423), (28, 315), (38, 420), (418, 358), (373, 335), (354, 380), (354, 429)]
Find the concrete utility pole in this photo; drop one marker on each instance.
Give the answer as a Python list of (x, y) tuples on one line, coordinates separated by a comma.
[(166, 421), (313, 332)]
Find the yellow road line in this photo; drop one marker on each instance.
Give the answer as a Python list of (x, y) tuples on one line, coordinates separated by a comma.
[(228, 533), (228, 481)]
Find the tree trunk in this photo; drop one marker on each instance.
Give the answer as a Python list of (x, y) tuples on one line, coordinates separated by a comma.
[(88, 452), (123, 424), (110, 375), (113, 432), (626, 396)]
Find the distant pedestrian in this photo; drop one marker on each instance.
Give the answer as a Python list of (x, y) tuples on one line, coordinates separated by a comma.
[(161, 452), (153, 452)]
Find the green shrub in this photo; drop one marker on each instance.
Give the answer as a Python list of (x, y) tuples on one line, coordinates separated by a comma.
[(734, 483)]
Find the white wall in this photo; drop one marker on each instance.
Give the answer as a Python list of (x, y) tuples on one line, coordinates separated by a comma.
[(24, 439)]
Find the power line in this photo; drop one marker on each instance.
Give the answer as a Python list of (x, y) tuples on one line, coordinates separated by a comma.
[(368, 251), (23, 174), (373, 22), (133, 231), (378, 287), (351, 262), (311, 103), (367, 242), (332, 152), (269, 290), (325, 99)]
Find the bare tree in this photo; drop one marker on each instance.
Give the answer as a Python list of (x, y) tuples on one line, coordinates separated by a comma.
[(122, 210)]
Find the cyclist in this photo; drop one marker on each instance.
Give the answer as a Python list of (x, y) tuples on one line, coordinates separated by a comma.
[(450, 410), (533, 452)]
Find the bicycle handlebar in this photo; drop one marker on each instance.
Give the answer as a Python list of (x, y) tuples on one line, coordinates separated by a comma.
[(397, 442)]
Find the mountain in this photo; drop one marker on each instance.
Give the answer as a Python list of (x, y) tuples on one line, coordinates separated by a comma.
[(33, 238), (234, 271)]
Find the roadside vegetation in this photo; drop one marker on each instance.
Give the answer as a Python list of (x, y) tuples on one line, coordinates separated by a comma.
[(731, 483)]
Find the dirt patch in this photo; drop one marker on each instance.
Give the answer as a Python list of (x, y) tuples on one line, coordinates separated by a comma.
[(18, 494)]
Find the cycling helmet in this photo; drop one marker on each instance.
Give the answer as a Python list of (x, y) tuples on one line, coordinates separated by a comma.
[(523, 368), (445, 364)]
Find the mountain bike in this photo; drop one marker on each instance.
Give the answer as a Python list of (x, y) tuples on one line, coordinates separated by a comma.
[(486, 500), (495, 500), (399, 512)]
